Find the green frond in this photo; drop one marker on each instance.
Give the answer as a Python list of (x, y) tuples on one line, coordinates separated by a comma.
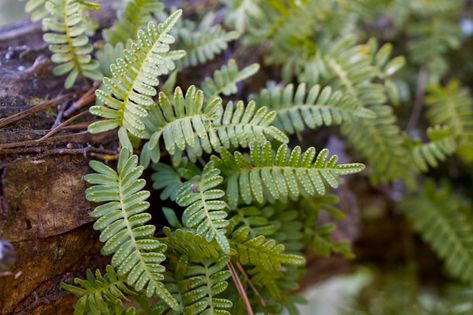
[(108, 56), (188, 123), (452, 106), (225, 79), (121, 220), (136, 15), (128, 94), (198, 286), (206, 212), (301, 109), (441, 144), (272, 176), (189, 243), (68, 41), (254, 219), (203, 41), (170, 179), (262, 252), (240, 12), (441, 217), (99, 294), (36, 9)]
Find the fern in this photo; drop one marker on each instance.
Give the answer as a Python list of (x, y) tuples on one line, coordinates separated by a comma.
[(203, 41), (68, 41), (441, 217), (99, 294), (169, 178), (225, 79), (269, 175), (186, 124), (136, 253), (37, 9), (452, 106), (441, 145), (302, 109), (205, 209), (128, 93), (198, 287), (136, 15), (240, 12)]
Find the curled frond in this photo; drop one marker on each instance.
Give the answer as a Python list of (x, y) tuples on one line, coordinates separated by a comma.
[(121, 220), (68, 41), (269, 175), (129, 92)]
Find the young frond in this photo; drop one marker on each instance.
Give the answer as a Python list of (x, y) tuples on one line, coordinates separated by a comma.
[(226, 78), (37, 9), (170, 179), (198, 287), (206, 212), (442, 219), (452, 106), (272, 176), (68, 41), (301, 109), (136, 14), (203, 41), (441, 145), (129, 92), (99, 294), (187, 123), (121, 220), (261, 252)]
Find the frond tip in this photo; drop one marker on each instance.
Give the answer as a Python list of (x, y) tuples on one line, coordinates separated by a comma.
[(121, 220)]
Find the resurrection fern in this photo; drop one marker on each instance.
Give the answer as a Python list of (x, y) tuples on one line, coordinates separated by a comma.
[(442, 218), (269, 175), (203, 41), (99, 294), (198, 287), (170, 179), (128, 93), (68, 41), (136, 15), (302, 109), (188, 123), (452, 106), (226, 78), (37, 9), (121, 220), (205, 209)]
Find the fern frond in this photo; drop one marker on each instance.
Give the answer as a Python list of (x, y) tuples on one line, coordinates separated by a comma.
[(254, 219), (269, 175), (36, 9), (262, 252), (169, 179), (108, 56), (441, 145), (189, 243), (226, 78), (301, 109), (121, 220), (240, 12), (205, 209), (198, 287), (99, 294), (68, 40), (136, 15), (203, 41), (187, 123), (128, 93), (452, 106), (440, 216)]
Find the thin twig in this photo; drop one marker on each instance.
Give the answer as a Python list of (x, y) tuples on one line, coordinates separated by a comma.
[(61, 126), (250, 283), (240, 288), (102, 154), (62, 138), (59, 115), (34, 109), (86, 99), (419, 100)]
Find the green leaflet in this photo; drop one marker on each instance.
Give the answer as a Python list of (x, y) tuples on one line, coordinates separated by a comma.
[(67, 38), (302, 108), (442, 218), (121, 220), (272, 176), (205, 209), (128, 93), (99, 294)]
